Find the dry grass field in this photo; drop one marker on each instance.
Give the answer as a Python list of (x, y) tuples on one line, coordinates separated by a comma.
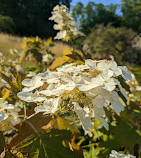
[(8, 42)]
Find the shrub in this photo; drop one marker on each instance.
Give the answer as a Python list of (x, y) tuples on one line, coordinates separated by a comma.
[(6, 24), (108, 40)]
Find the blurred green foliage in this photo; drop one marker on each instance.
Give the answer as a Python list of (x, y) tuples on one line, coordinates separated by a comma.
[(94, 14), (108, 40), (127, 14), (131, 18), (6, 24), (137, 72)]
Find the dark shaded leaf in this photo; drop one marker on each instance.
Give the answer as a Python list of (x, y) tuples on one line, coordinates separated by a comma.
[(49, 145)]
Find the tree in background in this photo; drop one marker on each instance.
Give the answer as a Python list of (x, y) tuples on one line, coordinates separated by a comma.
[(94, 14), (6, 24), (31, 17), (131, 18)]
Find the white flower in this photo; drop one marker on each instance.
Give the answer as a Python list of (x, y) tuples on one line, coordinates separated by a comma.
[(49, 106), (84, 84), (82, 115), (121, 89), (103, 121), (109, 69), (14, 113), (58, 89), (97, 80), (116, 104), (125, 73), (32, 84), (65, 23), (61, 34), (3, 116), (115, 154), (47, 74), (31, 97), (90, 63), (4, 106), (107, 83)]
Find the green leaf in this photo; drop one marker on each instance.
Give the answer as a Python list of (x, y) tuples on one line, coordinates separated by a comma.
[(137, 72), (63, 123), (49, 145), (93, 152), (121, 135)]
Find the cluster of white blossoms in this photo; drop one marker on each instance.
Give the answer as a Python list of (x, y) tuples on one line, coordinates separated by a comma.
[(8, 110), (115, 154), (3, 107), (90, 88), (65, 23)]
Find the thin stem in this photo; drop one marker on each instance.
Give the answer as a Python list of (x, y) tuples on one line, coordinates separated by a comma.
[(25, 116), (72, 123)]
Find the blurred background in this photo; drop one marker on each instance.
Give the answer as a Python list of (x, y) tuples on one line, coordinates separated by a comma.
[(112, 28)]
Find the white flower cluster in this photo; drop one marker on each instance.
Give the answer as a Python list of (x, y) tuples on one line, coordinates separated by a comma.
[(4, 106), (65, 23), (8, 110), (97, 80), (115, 154)]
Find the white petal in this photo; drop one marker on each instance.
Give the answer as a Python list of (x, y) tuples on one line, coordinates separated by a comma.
[(86, 121), (98, 101), (107, 74), (27, 82), (116, 104), (39, 99), (56, 103), (61, 34), (90, 63), (3, 116), (121, 89), (28, 89), (109, 87), (103, 121), (112, 65), (103, 66), (125, 73), (39, 109), (23, 95), (6, 106)]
